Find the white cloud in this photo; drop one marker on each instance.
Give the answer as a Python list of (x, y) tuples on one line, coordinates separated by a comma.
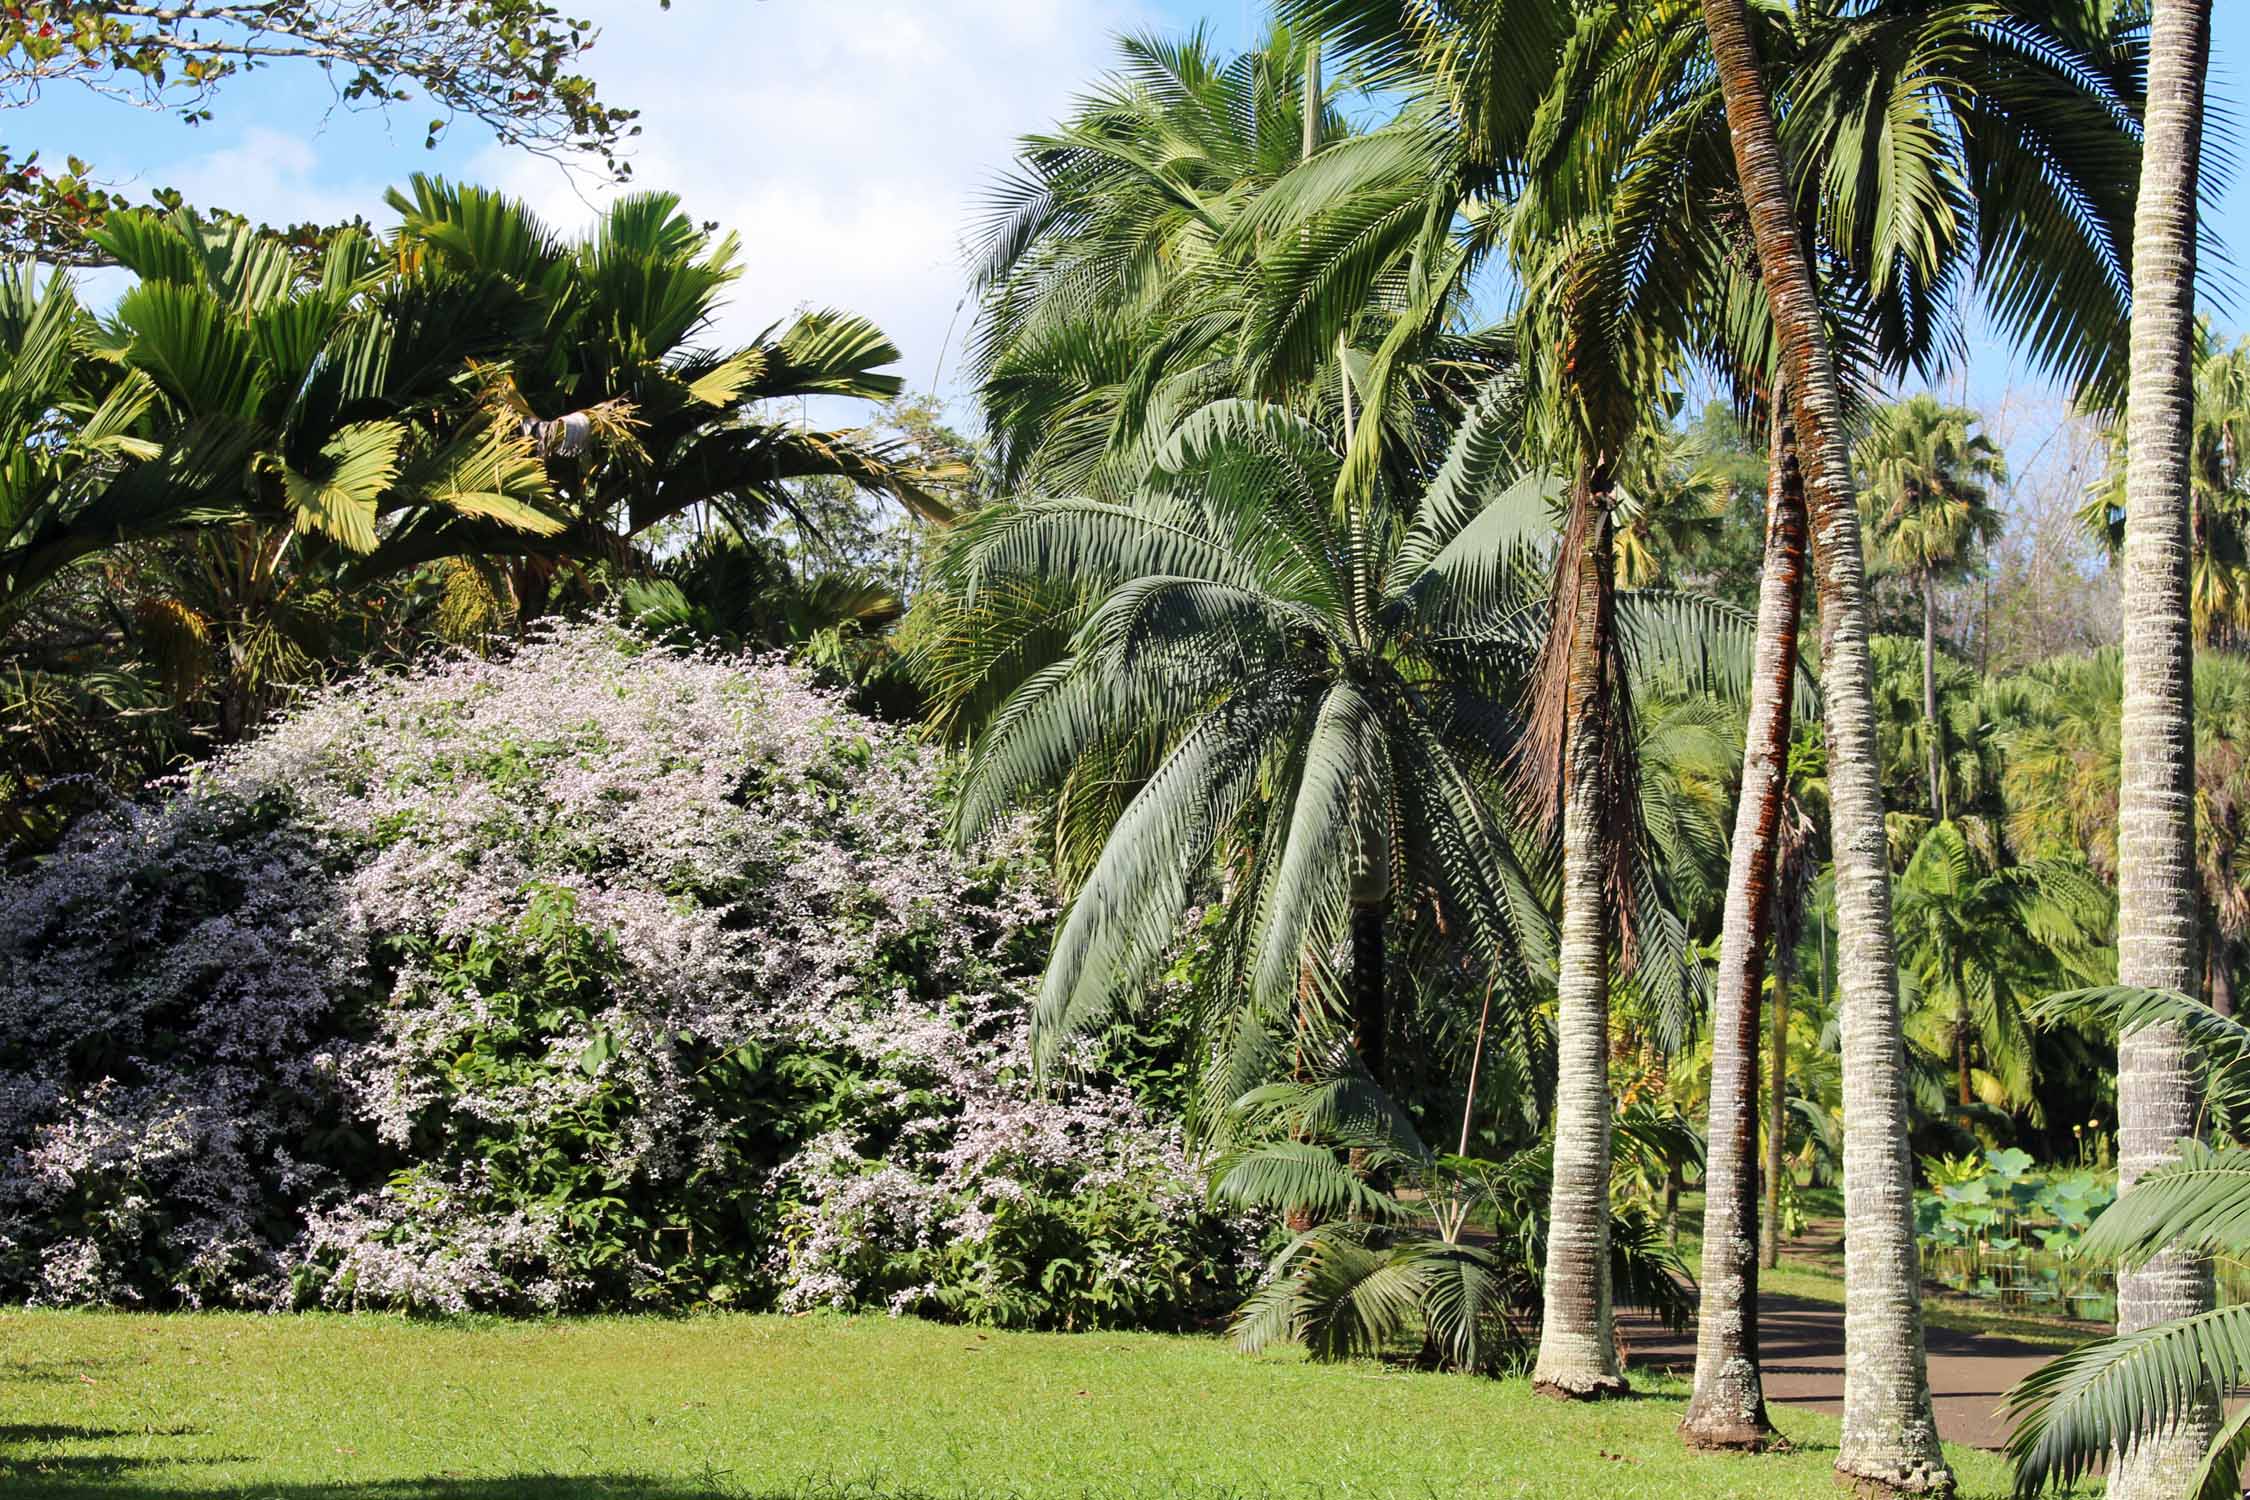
[(277, 178), (846, 141)]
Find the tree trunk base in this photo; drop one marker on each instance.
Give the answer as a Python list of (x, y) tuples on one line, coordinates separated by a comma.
[(1914, 1477), (1580, 1387), (1714, 1432)]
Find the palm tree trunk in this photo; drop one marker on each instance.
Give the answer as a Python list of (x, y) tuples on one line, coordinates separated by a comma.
[(1963, 1095), (1728, 1408), (1890, 1436), (1929, 691), (1371, 1019), (1777, 1115), (1312, 99), (2156, 884), (1577, 1343)]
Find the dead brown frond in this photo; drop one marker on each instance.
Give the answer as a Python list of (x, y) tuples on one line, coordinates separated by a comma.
[(1581, 674)]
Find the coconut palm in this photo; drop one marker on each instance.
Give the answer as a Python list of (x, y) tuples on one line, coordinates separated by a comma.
[(1890, 1434), (1927, 472), (2157, 907)]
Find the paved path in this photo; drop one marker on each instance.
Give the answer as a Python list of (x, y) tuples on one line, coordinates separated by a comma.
[(1801, 1350)]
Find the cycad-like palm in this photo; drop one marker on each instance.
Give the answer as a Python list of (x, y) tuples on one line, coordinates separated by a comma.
[(1927, 472), (1318, 698)]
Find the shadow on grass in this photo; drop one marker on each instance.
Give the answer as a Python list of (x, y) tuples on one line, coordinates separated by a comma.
[(115, 1479)]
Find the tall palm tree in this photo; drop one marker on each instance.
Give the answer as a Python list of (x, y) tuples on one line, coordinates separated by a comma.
[(1890, 1432), (1596, 349), (1728, 1407), (2010, 114), (1928, 472), (2157, 907)]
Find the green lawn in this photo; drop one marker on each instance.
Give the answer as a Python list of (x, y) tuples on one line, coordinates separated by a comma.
[(222, 1405)]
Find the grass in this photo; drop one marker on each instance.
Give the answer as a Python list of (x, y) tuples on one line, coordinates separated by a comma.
[(235, 1407)]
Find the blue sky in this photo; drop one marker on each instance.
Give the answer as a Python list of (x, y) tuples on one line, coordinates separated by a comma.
[(846, 141)]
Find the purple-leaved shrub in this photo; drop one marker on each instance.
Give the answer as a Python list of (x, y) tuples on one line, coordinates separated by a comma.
[(604, 975)]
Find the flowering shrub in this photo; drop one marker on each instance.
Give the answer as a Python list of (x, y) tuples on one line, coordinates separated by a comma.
[(603, 976)]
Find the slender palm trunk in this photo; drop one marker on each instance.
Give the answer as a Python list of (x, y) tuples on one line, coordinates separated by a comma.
[(1728, 1408), (1890, 1435), (1777, 1114), (1371, 1021), (2156, 886), (1312, 99), (1577, 1342), (1929, 691), (1963, 1094)]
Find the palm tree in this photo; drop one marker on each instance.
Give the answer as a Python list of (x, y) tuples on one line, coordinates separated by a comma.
[(355, 427), (1314, 697), (2020, 107), (2153, 1387), (2157, 908), (2219, 584), (2063, 734), (1795, 860), (1981, 940), (1377, 1266), (86, 471), (637, 421), (1890, 1433), (1728, 1407), (1585, 338), (1113, 285), (1927, 472)]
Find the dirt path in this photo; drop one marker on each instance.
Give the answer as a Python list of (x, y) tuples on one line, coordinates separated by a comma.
[(1801, 1349)]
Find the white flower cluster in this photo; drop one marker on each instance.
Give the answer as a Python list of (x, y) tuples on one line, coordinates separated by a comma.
[(232, 1016)]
